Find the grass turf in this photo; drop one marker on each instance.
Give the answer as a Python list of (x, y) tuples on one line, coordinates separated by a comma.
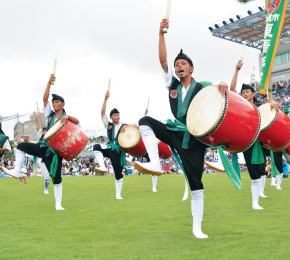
[(145, 225)]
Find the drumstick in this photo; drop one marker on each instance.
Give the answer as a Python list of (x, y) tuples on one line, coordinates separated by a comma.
[(109, 85), (243, 52), (54, 69), (251, 82), (270, 89), (36, 108), (167, 13), (148, 103)]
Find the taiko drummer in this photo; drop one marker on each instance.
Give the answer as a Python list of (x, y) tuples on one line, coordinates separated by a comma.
[(191, 152), (113, 150), (257, 171), (52, 160)]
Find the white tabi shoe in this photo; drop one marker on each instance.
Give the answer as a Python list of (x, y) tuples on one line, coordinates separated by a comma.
[(46, 192), (279, 181), (119, 185), (256, 187), (152, 168), (9, 172), (197, 199), (58, 196), (263, 182), (100, 170), (154, 183), (273, 181)]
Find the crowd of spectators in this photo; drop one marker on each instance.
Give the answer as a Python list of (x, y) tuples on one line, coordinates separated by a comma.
[(281, 93)]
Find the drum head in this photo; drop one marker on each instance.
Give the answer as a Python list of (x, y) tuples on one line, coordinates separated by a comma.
[(267, 116), (53, 130), (130, 138), (205, 111)]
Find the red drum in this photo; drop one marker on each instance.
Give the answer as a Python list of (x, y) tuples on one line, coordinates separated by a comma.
[(68, 140), (131, 142), (164, 150), (275, 128), (231, 121)]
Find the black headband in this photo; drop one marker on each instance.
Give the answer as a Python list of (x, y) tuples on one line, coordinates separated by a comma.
[(57, 97), (182, 56), (114, 111), (247, 86)]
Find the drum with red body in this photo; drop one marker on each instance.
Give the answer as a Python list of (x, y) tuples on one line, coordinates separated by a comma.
[(66, 139), (275, 128), (231, 121), (131, 142), (164, 150)]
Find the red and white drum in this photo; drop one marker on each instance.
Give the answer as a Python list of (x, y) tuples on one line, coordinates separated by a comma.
[(131, 142), (231, 121), (164, 150), (68, 140), (275, 128)]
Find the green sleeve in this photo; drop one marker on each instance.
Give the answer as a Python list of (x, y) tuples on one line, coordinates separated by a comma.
[(205, 83)]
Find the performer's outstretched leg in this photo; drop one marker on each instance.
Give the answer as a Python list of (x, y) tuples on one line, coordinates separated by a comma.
[(99, 158), (19, 156), (151, 145)]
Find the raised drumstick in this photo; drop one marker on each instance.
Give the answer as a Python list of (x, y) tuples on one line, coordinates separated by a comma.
[(109, 85), (36, 108), (148, 103), (167, 13), (243, 52), (54, 69)]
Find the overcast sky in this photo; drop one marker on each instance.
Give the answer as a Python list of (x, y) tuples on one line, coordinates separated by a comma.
[(94, 40)]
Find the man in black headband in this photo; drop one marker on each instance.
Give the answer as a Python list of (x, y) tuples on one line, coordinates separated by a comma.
[(257, 171), (41, 149), (182, 89), (113, 150)]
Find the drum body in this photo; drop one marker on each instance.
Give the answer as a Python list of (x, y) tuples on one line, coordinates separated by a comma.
[(275, 128), (164, 150), (231, 121), (68, 140), (131, 142)]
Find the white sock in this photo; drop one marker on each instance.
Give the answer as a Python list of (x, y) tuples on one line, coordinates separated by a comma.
[(256, 188), (99, 158), (263, 182), (197, 199), (119, 184), (58, 196), (279, 181), (273, 181), (154, 183)]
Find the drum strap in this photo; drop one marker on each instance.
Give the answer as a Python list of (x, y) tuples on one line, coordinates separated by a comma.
[(257, 155), (229, 169)]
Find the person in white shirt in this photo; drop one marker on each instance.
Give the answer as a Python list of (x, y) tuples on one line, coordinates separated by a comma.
[(113, 150), (42, 149)]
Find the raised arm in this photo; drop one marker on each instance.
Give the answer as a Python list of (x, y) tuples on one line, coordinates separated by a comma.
[(235, 77), (47, 90), (103, 111), (37, 122), (162, 46)]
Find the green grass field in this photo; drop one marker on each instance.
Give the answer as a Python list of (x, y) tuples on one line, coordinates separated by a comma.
[(145, 225)]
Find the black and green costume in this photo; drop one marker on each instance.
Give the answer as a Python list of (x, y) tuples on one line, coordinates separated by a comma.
[(190, 150), (113, 151)]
